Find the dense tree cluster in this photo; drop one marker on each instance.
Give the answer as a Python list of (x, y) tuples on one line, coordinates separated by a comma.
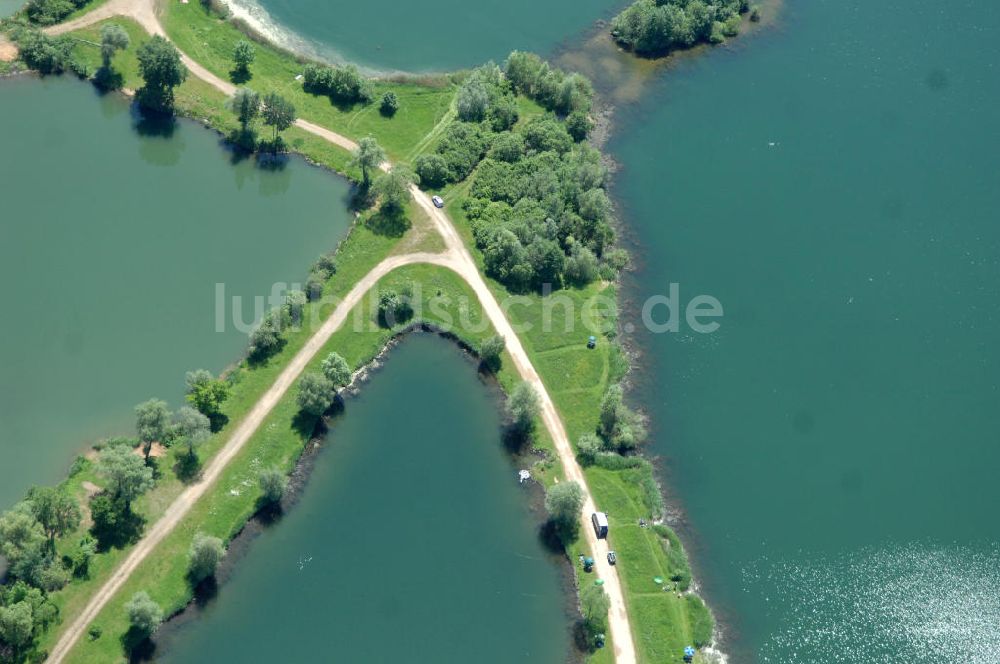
[(324, 268), (552, 88), (659, 26), (47, 55), (344, 85), (620, 427), (48, 12), (25, 612), (537, 204)]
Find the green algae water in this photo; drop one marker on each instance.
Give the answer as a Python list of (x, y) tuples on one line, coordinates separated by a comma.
[(111, 246), (442, 35), (834, 446), (411, 541)]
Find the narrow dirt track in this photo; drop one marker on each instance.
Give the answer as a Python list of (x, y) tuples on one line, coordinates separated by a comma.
[(457, 258)]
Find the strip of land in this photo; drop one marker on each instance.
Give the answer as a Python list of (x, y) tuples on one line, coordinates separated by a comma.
[(457, 258)]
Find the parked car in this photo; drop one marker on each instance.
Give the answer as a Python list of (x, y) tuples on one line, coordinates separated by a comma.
[(437, 201), (612, 558)]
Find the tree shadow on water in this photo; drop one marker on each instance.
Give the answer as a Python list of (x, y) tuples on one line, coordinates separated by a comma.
[(160, 145), (206, 591), (107, 80), (138, 645)]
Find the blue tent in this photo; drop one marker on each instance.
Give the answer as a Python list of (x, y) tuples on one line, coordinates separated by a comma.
[(689, 652)]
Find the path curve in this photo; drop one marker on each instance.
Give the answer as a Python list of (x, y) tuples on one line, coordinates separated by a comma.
[(457, 258), (187, 499)]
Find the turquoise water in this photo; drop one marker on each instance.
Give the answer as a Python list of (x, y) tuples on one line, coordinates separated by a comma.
[(111, 246), (412, 540), (8, 7), (424, 36), (834, 444)]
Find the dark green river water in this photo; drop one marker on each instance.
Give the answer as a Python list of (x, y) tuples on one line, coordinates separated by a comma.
[(111, 246), (834, 445), (412, 540)]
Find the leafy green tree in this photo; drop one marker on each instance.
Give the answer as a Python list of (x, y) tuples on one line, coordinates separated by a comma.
[(394, 307), (152, 423), (563, 502), (17, 626), (368, 157), (432, 169), (508, 147), (595, 605), (128, 476), (205, 392), (523, 71), (588, 448), (162, 70), (389, 105), (204, 557), (336, 370), (620, 427), (144, 615), (278, 113), (266, 338), (582, 266), (523, 407), (472, 101), (295, 304), (23, 543), (490, 352), (81, 557), (243, 56), (503, 114), (246, 105), (273, 484), (192, 427), (315, 394), (393, 189), (55, 510), (578, 124), (113, 39)]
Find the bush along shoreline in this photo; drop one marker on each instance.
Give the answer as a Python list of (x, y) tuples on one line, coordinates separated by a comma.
[(528, 193)]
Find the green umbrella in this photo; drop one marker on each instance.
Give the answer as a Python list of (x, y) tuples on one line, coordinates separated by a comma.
[(658, 580)]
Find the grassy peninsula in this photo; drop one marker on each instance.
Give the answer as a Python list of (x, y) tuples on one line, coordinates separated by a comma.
[(507, 148)]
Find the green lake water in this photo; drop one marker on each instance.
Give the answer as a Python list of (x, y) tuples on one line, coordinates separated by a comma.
[(411, 541), (111, 246), (834, 446), (442, 35), (8, 7)]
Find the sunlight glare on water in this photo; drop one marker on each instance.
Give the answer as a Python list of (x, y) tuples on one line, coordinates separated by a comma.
[(911, 604)]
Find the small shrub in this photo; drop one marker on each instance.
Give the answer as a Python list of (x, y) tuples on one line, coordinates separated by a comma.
[(389, 105)]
